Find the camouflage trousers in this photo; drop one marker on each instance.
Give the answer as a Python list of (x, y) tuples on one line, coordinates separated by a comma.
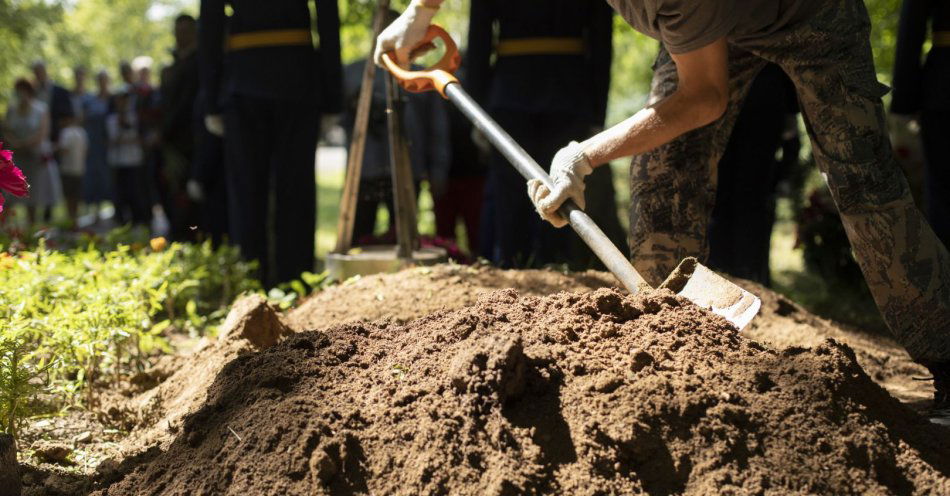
[(828, 57)]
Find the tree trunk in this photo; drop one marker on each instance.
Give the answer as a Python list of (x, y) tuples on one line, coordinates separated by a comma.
[(9, 470)]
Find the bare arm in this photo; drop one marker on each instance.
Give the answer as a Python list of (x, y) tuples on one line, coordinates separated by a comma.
[(700, 98)]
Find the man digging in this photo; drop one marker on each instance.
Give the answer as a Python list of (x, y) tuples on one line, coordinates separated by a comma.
[(711, 52)]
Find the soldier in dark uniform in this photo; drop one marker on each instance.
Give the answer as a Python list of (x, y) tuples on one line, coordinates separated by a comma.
[(177, 103), (923, 90), (548, 84), (264, 75), (740, 231)]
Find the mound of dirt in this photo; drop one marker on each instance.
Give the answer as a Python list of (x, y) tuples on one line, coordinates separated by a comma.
[(782, 323), (592, 393), (155, 415), (413, 293)]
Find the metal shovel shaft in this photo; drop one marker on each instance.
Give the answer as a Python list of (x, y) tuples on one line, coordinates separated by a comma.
[(582, 224)]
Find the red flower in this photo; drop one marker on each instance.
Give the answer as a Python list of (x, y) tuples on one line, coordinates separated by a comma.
[(11, 177)]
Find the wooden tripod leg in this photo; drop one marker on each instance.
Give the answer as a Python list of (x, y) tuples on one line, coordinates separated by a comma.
[(354, 161), (404, 195)]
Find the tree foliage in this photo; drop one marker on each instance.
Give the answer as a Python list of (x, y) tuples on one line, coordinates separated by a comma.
[(93, 33)]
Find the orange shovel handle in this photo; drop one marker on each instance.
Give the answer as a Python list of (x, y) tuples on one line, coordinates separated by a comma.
[(436, 77)]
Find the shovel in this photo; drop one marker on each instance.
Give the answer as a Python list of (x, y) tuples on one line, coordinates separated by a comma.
[(690, 279)]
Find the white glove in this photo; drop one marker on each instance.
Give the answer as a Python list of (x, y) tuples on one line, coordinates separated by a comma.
[(215, 125), (405, 34), (328, 122), (568, 170), (195, 191)]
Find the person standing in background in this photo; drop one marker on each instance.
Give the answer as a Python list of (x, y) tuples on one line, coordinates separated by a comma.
[(178, 96), (207, 183), (72, 146), (127, 158), (79, 93), (57, 99), (548, 83), (266, 91), (97, 180), (26, 131), (147, 106), (922, 91), (127, 74)]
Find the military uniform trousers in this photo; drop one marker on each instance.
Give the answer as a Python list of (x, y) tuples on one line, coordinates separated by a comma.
[(828, 58), (270, 147)]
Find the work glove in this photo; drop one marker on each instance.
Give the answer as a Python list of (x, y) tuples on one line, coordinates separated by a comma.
[(568, 170), (215, 125), (405, 34)]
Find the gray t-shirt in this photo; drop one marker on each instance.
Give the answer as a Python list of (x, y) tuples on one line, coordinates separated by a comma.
[(685, 25)]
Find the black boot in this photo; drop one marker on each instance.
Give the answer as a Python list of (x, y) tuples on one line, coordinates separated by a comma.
[(940, 412), (941, 375)]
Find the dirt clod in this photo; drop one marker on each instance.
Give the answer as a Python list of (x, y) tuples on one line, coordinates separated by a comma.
[(254, 319), (596, 393), (52, 452)]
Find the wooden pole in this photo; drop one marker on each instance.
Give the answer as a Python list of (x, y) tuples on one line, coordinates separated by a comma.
[(354, 161), (404, 194)]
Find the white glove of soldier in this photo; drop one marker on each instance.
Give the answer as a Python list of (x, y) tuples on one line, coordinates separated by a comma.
[(215, 125), (405, 34), (568, 170), (194, 190)]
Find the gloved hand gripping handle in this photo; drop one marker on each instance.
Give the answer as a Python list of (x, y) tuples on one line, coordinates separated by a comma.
[(441, 79)]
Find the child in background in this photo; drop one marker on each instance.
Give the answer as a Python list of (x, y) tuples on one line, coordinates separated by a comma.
[(127, 158), (72, 146)]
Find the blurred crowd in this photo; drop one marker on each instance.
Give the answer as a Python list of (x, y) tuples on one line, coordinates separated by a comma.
[(224, 145), (94, 144)]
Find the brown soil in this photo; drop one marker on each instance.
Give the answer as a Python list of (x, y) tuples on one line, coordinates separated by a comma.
[(591, 393), (137, 426), (413, 293), (418, 292), (782, 323)]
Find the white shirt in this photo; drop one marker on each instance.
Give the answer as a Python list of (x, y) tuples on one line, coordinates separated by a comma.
[(73, 145)]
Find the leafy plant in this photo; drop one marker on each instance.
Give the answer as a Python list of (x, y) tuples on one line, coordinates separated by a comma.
[(73, 319), (19, 374)]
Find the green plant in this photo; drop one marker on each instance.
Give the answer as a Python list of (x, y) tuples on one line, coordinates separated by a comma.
[(20, 374), (288, 294), (81, 317)]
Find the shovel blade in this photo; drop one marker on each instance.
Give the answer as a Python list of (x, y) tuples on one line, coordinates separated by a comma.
[(702, 286)]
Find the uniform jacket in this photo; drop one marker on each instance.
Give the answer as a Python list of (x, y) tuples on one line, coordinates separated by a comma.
[(568, 84), (921, 86), (294, 72)]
